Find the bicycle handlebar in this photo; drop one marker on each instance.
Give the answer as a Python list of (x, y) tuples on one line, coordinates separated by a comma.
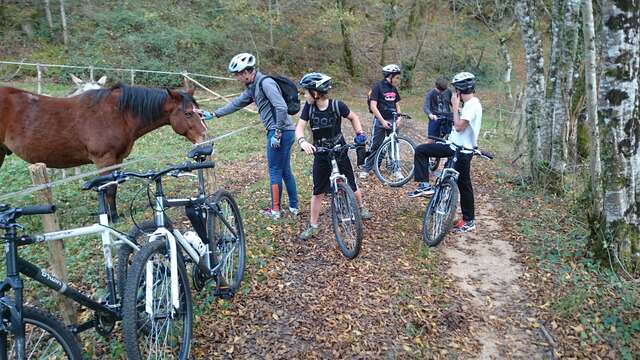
[(397, 114), (8, 215), (119, 176), (336, 149), (476, 151)]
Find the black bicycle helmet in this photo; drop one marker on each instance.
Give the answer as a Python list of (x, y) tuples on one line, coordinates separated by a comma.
[(316, 81), (465, 82)]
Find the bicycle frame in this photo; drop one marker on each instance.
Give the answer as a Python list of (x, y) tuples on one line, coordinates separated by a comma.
[(174, 238), (110, 308)]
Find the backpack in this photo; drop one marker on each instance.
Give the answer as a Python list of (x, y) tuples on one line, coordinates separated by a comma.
[(289, 92), (333, 104)]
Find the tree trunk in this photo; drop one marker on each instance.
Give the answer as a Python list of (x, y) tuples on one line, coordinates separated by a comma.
[(590, 70), (508, 67), (47, 11), (558, 127), (619, 126), (388, 27), (65, 33), (535, 88), (346, 39)]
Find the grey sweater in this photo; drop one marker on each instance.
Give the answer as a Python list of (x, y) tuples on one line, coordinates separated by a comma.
[(270, 95)]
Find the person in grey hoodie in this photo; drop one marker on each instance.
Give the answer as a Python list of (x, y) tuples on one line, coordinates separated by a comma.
[(279, 125)]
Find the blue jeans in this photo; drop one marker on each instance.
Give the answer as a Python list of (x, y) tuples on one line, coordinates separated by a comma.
[(279, 161)]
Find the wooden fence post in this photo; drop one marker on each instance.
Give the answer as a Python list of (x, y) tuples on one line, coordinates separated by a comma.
[(133, 76), (39, 69), (56, 247)]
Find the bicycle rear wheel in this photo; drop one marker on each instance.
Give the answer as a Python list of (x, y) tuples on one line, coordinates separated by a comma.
[(45, 338), (438, 218), (225, 229), (347, 223), (393, 165), (166, 332)]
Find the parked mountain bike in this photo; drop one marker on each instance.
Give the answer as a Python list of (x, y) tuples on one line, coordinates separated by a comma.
[(393, 162), (345, 212), (26, 332), (440, 212), (434, 162), (157, 305), (106, 311)]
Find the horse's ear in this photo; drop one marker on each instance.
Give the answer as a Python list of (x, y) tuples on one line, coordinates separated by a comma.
[(174, 94), (102, 80), (76, 80)]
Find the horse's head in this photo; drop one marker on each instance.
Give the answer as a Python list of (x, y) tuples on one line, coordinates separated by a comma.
[(183, 118), (84, 86)]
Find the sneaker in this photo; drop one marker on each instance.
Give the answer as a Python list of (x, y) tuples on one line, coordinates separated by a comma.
[(310, 232), (363, 175), (294, 211), (422, 190), (364, 213), (462, 226), (398, 175), (270, 213)]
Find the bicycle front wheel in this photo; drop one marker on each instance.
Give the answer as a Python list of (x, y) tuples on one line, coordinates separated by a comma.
[(393, 164), (438, 218), (156, 330), (347, 223), (45, 338), (227, 240)]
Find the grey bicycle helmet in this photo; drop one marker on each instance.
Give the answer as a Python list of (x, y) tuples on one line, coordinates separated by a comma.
[(465, 82), (391, 69), (316, 81), (241, 62)]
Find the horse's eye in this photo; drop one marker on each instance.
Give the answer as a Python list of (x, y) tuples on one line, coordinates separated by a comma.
[(188, 114)]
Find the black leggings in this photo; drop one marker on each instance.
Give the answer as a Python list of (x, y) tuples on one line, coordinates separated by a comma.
[(463, 166)]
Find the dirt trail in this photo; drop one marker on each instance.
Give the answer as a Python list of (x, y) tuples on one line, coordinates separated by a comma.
[(398, 299)]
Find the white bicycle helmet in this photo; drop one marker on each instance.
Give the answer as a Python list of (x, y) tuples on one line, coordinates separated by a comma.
[(465, 82), (241, 62), (391, 69)]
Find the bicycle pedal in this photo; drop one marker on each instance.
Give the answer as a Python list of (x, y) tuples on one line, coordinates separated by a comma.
[(224, 293)]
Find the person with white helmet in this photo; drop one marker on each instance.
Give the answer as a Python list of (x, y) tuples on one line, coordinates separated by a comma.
[(267, 95), (466, 129), (384, 101), (325, 118)]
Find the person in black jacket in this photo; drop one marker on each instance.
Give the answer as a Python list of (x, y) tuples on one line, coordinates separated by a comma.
[(437, 106)]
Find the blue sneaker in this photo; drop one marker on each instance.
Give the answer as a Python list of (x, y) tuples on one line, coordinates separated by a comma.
[(422, 190)]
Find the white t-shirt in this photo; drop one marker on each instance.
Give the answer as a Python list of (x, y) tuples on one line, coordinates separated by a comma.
[(472, 112)]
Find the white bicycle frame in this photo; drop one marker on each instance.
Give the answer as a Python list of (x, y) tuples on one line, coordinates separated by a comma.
[(173, 238), (106, 233)]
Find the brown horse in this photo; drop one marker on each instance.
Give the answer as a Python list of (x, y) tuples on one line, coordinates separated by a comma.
[(99, 126)]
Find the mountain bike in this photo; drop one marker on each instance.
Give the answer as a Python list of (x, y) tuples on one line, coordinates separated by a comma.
[(26, 332), (157, 305), (434, 162), (106, 311), (393, 162), (440, 212), (345, 212)]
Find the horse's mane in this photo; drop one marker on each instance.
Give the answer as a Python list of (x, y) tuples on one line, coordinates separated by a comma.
[(145, 103)]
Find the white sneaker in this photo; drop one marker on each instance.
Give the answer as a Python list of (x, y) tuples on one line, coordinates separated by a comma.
[(398, 175), (294, 211), (363, 175)]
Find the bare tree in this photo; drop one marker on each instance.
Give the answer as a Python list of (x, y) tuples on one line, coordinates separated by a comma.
[(63, 16), (590, 71), (47, 11), (564, 40), (535, 88), (346, 39), (618, 110)]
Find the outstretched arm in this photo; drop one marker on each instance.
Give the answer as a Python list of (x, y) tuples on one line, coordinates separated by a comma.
[(236, 104)]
